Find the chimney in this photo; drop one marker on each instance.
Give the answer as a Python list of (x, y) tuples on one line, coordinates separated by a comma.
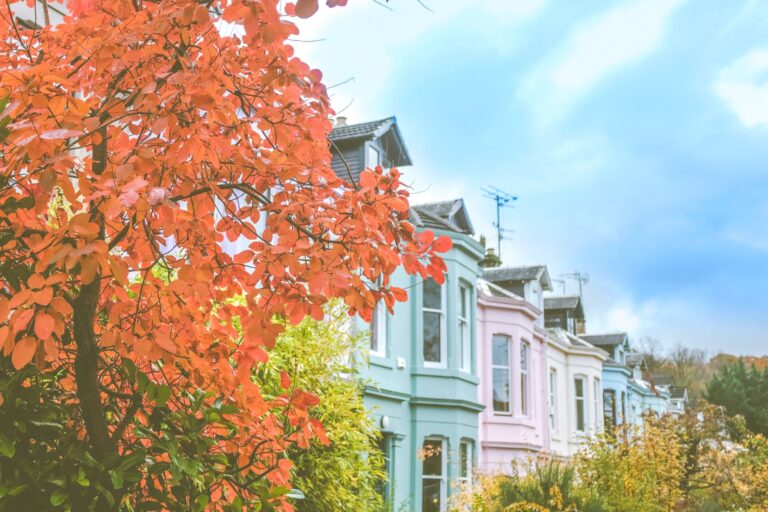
[(341, 121)]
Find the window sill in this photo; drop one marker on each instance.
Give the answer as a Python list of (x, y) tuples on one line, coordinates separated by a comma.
[(381, 361), (428, 371)]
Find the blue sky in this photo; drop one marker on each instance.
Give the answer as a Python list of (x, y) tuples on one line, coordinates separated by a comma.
[(634, 134)]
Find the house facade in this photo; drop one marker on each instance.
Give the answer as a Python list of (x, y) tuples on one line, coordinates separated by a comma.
[(575, 391), (422, 362), (617, 407), (512, 363)]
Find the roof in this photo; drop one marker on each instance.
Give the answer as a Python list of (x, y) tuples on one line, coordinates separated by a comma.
[(562, 302), (569, 340), (368, 130), (663, 379), (531, 273), (634, 359), (445, 215), (679, 393), (606, 340), (347, 142), (487, 288)]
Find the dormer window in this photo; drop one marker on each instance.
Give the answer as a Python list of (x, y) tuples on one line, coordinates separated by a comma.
[(372, 156)]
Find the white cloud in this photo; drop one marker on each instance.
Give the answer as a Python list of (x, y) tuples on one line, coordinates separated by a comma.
[(743, 87), (364, 42), (594, 51)]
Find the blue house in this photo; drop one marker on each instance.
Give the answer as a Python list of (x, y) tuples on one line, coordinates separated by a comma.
[(616, 377), (422, 361)]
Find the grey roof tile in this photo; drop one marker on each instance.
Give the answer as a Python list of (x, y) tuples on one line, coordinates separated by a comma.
[(562, 302), (361, 130), (513, 273), (606, 340)]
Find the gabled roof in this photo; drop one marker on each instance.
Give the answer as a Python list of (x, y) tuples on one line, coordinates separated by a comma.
[(678, 393), (445, 215), (568, 340), (663, 379), (634, 359), (367, 130), (488, 288), (607, 339), (386, 129), (531, 273), (562, 302)]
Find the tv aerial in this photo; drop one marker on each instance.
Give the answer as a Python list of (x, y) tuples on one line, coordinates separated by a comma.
[(502, 200), (581, 277)]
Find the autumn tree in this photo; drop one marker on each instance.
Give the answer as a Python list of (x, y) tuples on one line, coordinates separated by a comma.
[(140, 135)]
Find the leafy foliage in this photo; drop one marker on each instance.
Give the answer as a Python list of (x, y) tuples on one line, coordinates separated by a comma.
[(139, 138), (686, 464), (343, 472), (742, 390)]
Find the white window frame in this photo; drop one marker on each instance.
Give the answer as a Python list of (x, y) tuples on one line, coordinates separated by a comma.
[(378, 342), (580, 401), (442, 479), (553, 400), (369, 149), (464, 330), (443, 345), (507, 371), (466, 481), (597, 390), (525, 381)]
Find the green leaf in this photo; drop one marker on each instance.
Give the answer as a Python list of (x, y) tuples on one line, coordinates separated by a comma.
[(57, 498), (7, 447), (162, 395), (117, 478)]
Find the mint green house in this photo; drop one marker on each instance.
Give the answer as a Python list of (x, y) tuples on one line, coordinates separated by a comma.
[(422, 361)]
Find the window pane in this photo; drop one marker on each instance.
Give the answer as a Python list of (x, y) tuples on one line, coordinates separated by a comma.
[(500, 390), (432, 337), (524, 357), (524, 393), (579, 415), (463, 301), (465, 349), (430, 495), (579, 388), (433, 458), (464, 460), (501, 351), (432, 295), (373, 157)]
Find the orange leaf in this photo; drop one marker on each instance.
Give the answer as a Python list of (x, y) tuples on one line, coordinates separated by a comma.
[(43, 326), (285, 380), (442, 244), (23, 352)]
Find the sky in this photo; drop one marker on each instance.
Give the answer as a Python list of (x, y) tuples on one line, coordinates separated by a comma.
[(633, 133)]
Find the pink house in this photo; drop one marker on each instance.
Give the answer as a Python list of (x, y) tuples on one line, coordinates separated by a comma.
[(512, 367)]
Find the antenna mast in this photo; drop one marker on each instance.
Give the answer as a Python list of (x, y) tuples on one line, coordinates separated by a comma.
[(581, 277), (502, 200)]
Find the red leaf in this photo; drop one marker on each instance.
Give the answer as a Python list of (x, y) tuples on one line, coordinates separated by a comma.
[(285, 380), (442, 244), (44, 325), (23, 352)]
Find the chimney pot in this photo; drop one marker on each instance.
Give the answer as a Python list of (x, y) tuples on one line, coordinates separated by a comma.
[(341, 121)]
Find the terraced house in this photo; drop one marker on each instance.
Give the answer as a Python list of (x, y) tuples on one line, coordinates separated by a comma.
[(422, 361)]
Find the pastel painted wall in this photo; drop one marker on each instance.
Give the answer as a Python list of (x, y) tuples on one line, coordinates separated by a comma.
[(569, 359), (516, 434), (412, 401)]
